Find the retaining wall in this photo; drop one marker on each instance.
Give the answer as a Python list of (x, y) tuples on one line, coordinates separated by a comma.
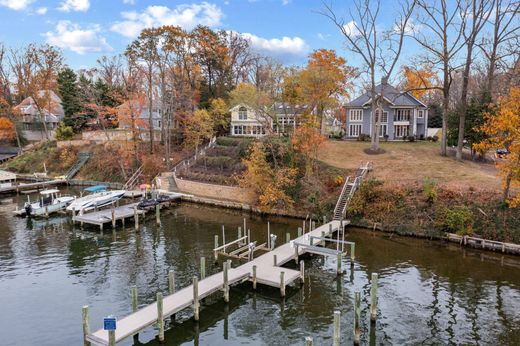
[(220, 192)]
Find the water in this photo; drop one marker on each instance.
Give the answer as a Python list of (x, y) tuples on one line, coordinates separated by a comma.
[(430, 293)]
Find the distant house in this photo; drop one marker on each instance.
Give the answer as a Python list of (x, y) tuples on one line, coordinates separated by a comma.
[(246, 122), (126, 110), (32, 119), (403, 115)]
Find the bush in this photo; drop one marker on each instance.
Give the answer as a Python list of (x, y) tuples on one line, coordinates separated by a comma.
[(435, 138), (458, 219), (386, 137), (233, 141), (421, 137), (429, 138), (430, 191), (363, 137), (63, 132), (411, 138)]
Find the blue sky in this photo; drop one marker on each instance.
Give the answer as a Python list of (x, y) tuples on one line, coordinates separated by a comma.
[(87, 29)]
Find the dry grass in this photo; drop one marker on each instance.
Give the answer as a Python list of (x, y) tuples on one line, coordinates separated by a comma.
[(406, 162)]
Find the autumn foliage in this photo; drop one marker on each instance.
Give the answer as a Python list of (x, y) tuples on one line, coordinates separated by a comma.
[(419, 81), (307, 140), (7, 130), (503, 130)]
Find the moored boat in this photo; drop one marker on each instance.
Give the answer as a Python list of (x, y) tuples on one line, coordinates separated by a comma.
[(98, 197), (50, 201)]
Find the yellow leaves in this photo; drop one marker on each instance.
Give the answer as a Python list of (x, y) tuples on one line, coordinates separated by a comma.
[(419, 78), (7, 130), (307, 139), (197, 128)]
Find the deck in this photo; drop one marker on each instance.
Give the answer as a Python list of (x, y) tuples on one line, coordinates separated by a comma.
[(100, 217), (267, 273)]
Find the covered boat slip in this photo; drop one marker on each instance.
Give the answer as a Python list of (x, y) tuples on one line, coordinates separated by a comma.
[(267, 272)]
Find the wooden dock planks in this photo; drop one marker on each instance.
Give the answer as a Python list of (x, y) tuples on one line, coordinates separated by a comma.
[(267, 274), (101, 217)]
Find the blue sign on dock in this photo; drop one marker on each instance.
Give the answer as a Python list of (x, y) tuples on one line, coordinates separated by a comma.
[(109, 323)]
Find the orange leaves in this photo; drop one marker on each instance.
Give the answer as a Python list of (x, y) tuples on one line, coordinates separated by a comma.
[(306, 140), (423, 79), (7, 130), (197, 128)]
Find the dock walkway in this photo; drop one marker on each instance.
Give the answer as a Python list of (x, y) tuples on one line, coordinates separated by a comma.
[(267, 273), (100, 217)]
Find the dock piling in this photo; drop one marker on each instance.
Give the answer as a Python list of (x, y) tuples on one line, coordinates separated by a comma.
[(357, 318), (282, 284), (268, 235), (274, 260), (196, 298), (308, 341), (111, 338), (216, 246), (160, 317), (239, 232), (373, 297), (223, 238), (158, 214), (300, 232), (133, 291), (352, 253), (226, 281), (337, 328), (171, 281), (202, 268), (113, 214), (296, 254), (136, 219), (338, 263), (287, 237), (302, 272), (86, 325), (254, 277)]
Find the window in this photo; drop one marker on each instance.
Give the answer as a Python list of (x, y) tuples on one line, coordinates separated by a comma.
[(354, 130), (402, 115), (400, 131), (383, 130), (420, 114), (242, 113), (384, 119), (356, 115)]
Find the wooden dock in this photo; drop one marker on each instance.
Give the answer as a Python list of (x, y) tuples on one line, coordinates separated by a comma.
[(31, 186), (101, 217), (268, 272)]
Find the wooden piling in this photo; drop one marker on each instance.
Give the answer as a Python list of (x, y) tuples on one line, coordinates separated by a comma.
[(245, 226), (248, 236), (337, 328), (296, 254), (136, 218), (111, 338), (160, 317), (113, 214), (239, 232), (338, 263), (254, 277), (313, 225), (86, 325), (282, 284), (268, 235), (274, 260), (226, 281), (133, 291), (223, 238), (216, 246), (171, 281), (73, 215), (357, 318), (303, 226), (373, 297), (352, 253), (196, 303), (308, 341), (46, 211), (158, 214), (287, 237), (302, 271), (202, 268), (300, 232)]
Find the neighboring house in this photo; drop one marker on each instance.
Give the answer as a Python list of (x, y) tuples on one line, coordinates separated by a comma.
[(246, 122), (403, 115), (129, 108), (32, 120)]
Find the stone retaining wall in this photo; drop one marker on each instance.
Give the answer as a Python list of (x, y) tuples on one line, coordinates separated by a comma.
[(220, 192)]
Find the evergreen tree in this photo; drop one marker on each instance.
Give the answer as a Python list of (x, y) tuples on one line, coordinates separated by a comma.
[(68, 89)]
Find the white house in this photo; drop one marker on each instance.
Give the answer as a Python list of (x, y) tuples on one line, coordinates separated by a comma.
[(139, 110)]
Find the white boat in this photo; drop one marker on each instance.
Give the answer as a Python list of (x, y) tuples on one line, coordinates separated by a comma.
[(99, 197), (50, 201)]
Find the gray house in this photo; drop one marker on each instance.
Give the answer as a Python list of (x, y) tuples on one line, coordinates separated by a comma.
[(403, 115)]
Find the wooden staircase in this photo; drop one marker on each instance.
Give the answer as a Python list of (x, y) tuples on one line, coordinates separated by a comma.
[(82, 159), (134, 179), (348, 190)]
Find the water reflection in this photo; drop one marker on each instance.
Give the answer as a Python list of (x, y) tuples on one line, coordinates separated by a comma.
[(430, 292)]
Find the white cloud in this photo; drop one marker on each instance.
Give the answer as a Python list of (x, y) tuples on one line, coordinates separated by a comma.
[(129, 2), (74, 5), (286, 2), (41, 10), (410, 28), (350, 29), (70, 36), (285, 48), (16, 4), (186, 16)]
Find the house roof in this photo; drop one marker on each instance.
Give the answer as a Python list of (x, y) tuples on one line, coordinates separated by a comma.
[(143, 108), (391, 95), (28, 106)]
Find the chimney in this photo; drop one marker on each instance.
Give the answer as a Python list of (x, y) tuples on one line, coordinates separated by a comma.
[(384, 81)]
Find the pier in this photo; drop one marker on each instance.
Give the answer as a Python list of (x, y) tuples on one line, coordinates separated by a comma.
[(265, 269), (110, 215)]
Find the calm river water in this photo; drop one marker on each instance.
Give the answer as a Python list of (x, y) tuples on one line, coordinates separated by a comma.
[(430, 293)]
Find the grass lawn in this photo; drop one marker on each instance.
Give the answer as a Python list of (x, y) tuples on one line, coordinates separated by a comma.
[(408, 162)]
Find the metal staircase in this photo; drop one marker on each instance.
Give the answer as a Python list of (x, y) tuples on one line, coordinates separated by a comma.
[(348, 190), (82, 159), (132, 181)]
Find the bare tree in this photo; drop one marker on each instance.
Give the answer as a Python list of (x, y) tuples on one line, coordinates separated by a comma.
[(441, 19), (379, 50), (475, 14), (110, 69)]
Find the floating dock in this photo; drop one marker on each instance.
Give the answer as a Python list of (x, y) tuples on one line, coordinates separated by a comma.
[(265, 269)]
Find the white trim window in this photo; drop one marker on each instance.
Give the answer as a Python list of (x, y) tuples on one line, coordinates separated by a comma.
[(402, 115), (354, 130), (384, 119), (242, 113), (356, 115), (401, 131), (383, 130), (420, 114)]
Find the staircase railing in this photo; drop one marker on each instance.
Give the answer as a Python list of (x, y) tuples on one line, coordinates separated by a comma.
[(131, 182), (343, 199), (341, 196), (82, 159)]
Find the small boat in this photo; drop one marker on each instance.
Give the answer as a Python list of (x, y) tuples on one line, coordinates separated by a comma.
[(99, 197), (50, 202)]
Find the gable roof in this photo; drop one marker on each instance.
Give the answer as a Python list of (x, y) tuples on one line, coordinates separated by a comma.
[(28, 106), (390, 94)]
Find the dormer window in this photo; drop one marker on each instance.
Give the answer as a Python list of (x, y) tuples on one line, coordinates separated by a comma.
[(242, 113), (420, 114)]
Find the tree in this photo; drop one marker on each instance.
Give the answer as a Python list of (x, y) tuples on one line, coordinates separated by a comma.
[(270, 185), (7, 130), (419, 81), (68, 90), (64, 132), (502, 129), (475, 14), (197, 128), (379, 50), (259, 101), (219, 114), (307, 140), (325, 81)]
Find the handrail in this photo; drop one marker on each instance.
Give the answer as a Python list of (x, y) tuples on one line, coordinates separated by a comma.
[(131, 181), (345, 184)]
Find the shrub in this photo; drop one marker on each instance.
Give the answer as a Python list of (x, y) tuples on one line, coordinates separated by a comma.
[(411, 138), (458, 219), (64, 132), (421, 137), (435, 138), (363, 137), (429, 191), (429, 138), (386, 137)]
